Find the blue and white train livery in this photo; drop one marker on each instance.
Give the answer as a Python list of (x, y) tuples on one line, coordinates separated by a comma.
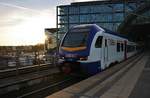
[(89, 48)]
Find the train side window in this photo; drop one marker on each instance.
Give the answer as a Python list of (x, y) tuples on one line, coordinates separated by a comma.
[(118, 47), (98, 43), (122, 47), (130, 48), (105, 42), (135, 48)]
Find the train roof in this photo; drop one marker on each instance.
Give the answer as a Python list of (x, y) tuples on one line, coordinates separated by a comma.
[(98, 28), (115, 33)]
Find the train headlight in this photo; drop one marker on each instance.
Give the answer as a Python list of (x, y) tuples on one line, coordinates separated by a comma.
[(62, 57), (83, 58)]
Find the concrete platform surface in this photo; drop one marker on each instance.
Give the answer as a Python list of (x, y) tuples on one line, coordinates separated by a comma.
[(128, 82)]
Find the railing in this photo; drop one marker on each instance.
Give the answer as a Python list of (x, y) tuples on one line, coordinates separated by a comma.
[(13, 62)]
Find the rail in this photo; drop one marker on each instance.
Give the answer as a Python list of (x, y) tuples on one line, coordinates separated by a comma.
[(23, 70), (29, 79), (38, 91)]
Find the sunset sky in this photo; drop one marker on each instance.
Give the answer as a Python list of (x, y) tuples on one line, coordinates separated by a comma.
[(22, 22)]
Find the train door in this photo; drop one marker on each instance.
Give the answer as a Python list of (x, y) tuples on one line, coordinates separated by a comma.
[(125, 50), (105, 53), (97, 52)]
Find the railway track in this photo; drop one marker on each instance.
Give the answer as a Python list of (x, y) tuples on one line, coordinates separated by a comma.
[(49, 89), (52, 84), (23, 70), (44, 89), (27, 77)]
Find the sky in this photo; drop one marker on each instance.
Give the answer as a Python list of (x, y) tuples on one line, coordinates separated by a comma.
[(22, 22)]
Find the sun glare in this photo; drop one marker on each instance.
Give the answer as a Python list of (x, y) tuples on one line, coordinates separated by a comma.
[(30, 32)]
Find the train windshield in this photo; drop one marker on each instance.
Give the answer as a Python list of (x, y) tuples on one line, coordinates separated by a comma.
[(76, 38)]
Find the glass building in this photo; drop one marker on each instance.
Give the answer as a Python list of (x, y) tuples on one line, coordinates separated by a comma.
[(108, 14)]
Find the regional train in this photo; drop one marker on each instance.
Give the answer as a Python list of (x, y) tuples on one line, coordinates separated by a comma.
[(90, 49)]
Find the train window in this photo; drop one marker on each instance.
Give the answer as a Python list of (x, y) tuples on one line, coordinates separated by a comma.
[(98, 43), (130, 48), (118, 47), (105, 42), (76, 38), (136, 48), (121, 46)]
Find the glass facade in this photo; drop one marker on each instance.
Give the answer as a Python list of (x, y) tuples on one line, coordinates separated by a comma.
[(108, 14), (143, 18)]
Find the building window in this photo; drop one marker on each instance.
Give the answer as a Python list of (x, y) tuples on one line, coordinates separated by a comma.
[(85, 9), (73, 19), (74, 10), (63, 10), (118, 17)]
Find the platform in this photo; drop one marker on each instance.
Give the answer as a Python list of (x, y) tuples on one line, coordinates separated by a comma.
[(132, 81)]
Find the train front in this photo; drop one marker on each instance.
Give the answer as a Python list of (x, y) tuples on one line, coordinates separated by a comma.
[(74, 49)]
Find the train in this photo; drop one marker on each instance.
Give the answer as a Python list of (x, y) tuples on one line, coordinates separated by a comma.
[(89, 49)]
